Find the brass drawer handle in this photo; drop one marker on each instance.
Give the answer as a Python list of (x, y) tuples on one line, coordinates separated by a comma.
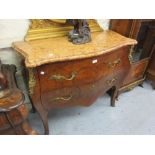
[(114, 64), (61, 77), (65, 98), (110, 82)]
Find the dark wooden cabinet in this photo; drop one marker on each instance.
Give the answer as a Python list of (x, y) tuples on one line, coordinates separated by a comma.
[(127, 27), (130, 27), (149, 49), (143, 31), (150, 73)]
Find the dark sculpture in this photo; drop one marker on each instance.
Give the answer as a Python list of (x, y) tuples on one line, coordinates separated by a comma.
[(81, 32)]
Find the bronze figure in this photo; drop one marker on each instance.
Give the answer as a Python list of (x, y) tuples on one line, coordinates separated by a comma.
[(81, 32)]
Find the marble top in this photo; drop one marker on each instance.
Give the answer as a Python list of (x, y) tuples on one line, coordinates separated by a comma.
[(50, 50)]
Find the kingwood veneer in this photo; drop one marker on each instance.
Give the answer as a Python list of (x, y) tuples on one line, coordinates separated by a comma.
[(62, 74)]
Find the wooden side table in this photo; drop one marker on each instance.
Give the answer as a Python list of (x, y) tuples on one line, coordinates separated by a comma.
[(13, 111)]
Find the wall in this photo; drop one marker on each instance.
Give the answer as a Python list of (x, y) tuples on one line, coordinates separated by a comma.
[(104, 23), (12, 30)]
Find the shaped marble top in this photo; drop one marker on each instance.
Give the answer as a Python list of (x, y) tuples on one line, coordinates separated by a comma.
[(39, 52)]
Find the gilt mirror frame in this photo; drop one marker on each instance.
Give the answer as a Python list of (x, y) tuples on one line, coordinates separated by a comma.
[(49, 28)]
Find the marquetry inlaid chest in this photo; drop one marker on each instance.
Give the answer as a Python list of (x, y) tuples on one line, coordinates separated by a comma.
[(62, 74)]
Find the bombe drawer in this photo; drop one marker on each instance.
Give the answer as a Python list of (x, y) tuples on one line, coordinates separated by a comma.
[(78, 72)]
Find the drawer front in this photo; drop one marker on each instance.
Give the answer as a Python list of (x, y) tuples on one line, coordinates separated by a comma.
[(83, 95), (60, 97), (89, 93), (77, 72)]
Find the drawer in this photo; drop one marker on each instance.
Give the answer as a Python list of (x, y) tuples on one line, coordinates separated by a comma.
[(83, 95), (77, 72), (90, 92), (100, 86), (60, 97)]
